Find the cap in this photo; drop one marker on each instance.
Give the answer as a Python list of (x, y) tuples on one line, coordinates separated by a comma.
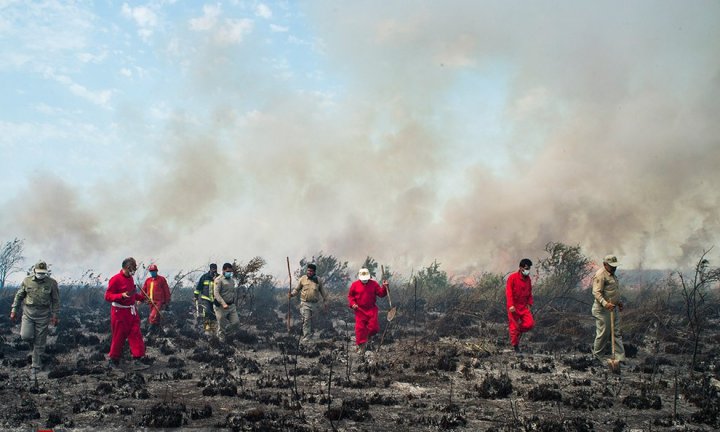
[(41, 267), (152, 267), (611, 260), (364, 274)]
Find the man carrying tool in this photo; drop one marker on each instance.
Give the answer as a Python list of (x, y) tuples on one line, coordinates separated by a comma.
[(606, 290), (124, 319), (519, 299), (204, 298), (158, 296), (41, 302), (311, 292), (225, 296), (361, 298)]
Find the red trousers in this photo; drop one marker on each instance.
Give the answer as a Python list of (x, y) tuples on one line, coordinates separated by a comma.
[(366, 324), (125, 325), (520, 321), (154, 317)]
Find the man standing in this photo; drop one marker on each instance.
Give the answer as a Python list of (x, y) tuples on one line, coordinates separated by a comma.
[(519, 299), (205, 296), (41, 302), (225, 296), (606, 290), (158, 296), (311, 292), (124, 319), (361, 298)]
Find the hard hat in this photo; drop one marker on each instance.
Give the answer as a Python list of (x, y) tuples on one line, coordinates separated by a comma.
[(364, 274), (152, 267)]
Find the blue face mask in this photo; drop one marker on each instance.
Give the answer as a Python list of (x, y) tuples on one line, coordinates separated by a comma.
[(153, 274), (228, 275)]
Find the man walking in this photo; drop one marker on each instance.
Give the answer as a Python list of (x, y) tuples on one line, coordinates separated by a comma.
[(361, 298), (606, 290), (158, 296), (311, 292), (40, 298), (124, 318), (225, 297), (205, 296), (519, 300)]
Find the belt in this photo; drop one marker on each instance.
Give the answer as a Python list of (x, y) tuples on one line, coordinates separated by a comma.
[(217, 303), (131, 307)]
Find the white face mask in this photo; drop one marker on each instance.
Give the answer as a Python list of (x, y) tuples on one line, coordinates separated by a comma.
[(525, 272), (40, 276)]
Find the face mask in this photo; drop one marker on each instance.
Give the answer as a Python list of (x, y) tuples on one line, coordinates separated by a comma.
[(525, 272), (153, 274), (228, 274), (40, 276)]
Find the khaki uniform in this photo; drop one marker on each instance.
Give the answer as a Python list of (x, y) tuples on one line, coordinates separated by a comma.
[(225, 293), (41, 300), (311, 292), (606, 288)]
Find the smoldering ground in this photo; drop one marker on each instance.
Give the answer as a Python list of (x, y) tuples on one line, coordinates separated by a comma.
[(441, 366)]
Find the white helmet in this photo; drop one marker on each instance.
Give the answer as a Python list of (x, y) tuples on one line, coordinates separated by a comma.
[(364, 274)]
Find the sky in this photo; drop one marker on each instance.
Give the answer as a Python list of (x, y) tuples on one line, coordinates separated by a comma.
[(467, 132)]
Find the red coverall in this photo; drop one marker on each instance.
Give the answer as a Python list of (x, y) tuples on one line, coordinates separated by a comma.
[(124, 319), (159, 292), (519, 294), (366, 315)]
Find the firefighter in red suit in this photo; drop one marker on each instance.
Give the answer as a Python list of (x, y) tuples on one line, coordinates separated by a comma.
[(361, 299), (124, 319), (158, 293), (519, 300)]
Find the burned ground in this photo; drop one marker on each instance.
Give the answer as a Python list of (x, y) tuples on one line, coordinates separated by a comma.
[(435, 370)]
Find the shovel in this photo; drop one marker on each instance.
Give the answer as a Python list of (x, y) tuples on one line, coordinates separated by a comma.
[(393, 310), (613, 363)]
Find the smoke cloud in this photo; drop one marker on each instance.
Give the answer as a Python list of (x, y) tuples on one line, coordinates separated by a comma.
[(590, 124)]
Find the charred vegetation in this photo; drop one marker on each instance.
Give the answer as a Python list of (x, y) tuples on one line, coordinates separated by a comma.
[(444, 363)]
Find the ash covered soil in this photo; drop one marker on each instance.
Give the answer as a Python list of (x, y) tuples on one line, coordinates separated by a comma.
[(433, 371)]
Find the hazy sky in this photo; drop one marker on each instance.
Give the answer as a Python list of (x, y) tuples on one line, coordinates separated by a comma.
[(471, 132)]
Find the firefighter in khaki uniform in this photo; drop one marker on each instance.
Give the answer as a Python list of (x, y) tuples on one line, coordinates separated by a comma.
[(311, 292), (225, 298), (205, 296), (606, 290), (158, 293), (41, 298)]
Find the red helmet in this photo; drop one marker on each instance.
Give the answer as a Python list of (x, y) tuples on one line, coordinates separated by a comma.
[(152, 267)]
